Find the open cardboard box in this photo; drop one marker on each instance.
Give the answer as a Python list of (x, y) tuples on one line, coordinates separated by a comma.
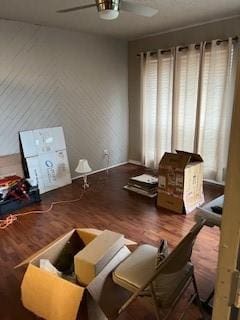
[(54, 298), (180, 187)]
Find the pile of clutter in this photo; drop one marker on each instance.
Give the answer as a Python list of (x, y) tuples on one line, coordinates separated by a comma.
[(16, 193), (144, 184), (14, 187)]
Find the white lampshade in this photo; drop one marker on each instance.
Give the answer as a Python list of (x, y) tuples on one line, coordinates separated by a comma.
[(83, 166), (108, 14)]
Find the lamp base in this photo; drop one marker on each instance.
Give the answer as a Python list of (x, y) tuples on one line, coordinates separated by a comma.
[(85, 183)]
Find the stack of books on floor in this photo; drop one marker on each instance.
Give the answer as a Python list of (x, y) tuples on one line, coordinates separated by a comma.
[(144, 184)]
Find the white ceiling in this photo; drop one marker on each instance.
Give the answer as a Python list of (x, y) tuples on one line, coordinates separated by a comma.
[(172, 14)]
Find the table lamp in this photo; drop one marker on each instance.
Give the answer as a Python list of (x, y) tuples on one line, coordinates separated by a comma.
[(83, 168)]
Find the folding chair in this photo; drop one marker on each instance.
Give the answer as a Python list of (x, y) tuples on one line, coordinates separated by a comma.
[(165, 285)]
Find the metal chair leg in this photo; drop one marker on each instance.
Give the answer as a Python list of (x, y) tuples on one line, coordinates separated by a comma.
[(157, 312), (199, 303)]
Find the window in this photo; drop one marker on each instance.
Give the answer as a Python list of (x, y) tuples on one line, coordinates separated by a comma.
[(187, 98)]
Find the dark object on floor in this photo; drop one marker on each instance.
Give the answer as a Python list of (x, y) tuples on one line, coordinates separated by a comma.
[(11, 205), (217, 209), (65, 260), (19, 190), (7, 184)]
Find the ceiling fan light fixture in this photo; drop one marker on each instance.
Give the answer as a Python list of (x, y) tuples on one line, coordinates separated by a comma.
[(108, 14), (108, 9)]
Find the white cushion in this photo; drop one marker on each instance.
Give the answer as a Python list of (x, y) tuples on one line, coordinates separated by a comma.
[(136, 270)]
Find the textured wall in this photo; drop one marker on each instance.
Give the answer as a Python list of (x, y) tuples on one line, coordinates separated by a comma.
[(51, 77), (216, 30)]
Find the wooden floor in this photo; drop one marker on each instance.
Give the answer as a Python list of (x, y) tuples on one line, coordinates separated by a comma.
[(105, 205)]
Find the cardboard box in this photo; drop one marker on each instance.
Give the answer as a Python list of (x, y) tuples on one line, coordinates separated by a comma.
[(180, 186), (54, 298), (91, 260)]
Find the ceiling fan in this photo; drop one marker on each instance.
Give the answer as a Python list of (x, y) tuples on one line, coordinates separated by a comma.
[(109, 9)]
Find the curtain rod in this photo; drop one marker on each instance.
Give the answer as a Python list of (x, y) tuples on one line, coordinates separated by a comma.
[(155, 51)]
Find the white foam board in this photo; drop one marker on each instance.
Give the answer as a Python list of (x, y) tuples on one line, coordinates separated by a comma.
[(49, 140), (46, 158), (28, 144)]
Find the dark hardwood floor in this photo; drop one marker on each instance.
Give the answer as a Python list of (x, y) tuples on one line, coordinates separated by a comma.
[(104, 206)]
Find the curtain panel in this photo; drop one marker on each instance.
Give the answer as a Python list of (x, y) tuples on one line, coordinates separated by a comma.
[(186, 103)]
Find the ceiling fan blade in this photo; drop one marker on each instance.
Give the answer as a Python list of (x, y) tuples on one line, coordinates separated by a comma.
[(76, 8), (138, 9)]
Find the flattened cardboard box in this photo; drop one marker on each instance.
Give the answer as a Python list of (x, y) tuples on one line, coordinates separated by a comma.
[(54, 298), (180, 187)]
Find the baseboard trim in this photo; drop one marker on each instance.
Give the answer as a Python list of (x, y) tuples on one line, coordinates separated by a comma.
[(214, 182), (138, 163), (103, 169)]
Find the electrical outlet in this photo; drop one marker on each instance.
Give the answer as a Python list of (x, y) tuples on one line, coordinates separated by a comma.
[(105, 151)]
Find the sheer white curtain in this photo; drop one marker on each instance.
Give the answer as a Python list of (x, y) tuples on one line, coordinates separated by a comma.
[(218, 75), (149, 100), (157, 89), (186, 100)]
